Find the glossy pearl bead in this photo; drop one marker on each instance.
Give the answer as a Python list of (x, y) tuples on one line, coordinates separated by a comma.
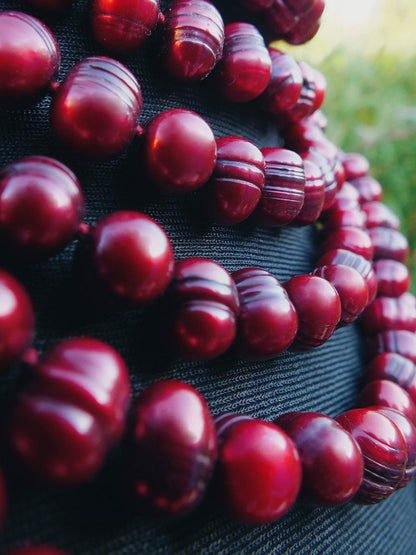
[(41, 207), (368, 188), (17, 321), (396, 368), (259, 469), (267, 323), (95, 110), (402, 342), (305, 104), (121, 26), (29, 58), (3, 500), (36, 550), (303, 135), (393, 277), (389, 243), (335, 218), (355, 165), (172, 448), (201, 309), (283, 90), (388, 313), (74, 401), (318, 307), (332, 463), (193, 38), (179, 150), (296, 23), (380, 215), (347, 198), (330, 181), (125, 259), (314, 195), (352, 239), (284, 189), (385, 393), (235, 187)]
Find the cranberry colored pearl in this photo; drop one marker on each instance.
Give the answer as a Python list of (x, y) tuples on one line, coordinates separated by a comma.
[(36, 550), (284, 189), (396, 368), (332, 463), (95, 109), (384, 451), (283, 90), (368, 188), (259, 469), (193, 38), (389, 243), (349, 238), (41, 207), (74, 402), (121, 26), (330, 181), (256, 5), (347, 198), (350, 286), (201, 309), (304, 106), (388, 313), (237, 182), (17, 321), (378, 214), (337, 218), (29, 58), (303, 135), (180, 151), (3, 500), (402, 342), (393, 277), (314, 195), (355, 165), (318, 306), (385, 393), (125, 259), (307, 24), (267, 323), (172, 447)]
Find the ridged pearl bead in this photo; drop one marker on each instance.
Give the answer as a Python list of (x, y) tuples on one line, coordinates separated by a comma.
[(396, 368), (353, 239), (402, 342), (355, 165), (389, 243), (314, 195), (385, 393), (379, 215), (283, 90), (305, 104), (330, 181), (388, 313), (393, 277), (368, 188), (293, 21)]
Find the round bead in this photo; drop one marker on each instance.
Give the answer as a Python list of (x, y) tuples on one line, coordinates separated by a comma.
[(201, 309), (319, 119), (304, 135), (389, 243), (318, 307), (235, 187), (180, 151), (121, 26), (385, 393), (368, 188), (41, 207), (378, 214), (95, 109), (284, 189), (388, 313), (330, 181), (305, 104), (314, 195), (396, 368), (393, 277), (293, 21), (3, 500), (384, 451), (335, 218), (38, 549), (74, 401), (349, 238), (125, 259), (347, 198), (402, 342), (326, 450), (193, 38), (172, 448), (17, 321), (283, 90), (267, 322), (258, 467), (355, 165)]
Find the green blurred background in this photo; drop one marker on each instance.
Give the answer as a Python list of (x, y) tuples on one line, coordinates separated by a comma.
[(367, 51)]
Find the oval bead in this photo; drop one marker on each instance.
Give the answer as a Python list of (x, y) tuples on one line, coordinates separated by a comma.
[(193, 38), (305, 104), (267, 322), (349, 238), (396, 368), (283, 90), (304, 135), (347, 198), (294, 22), (380, 215), (368, 188), (3, 500), (95, 110), (355, 165), (74, 401), (388, 313), (330, 181), (393, 277), (385, 393), (389, 243), (314, 195), (172, 448), (335, 218), (402, 342)]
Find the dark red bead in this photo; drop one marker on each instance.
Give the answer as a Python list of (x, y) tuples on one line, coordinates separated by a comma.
[(396, 368), (17, 321), (303, 135), (285, 85), (245, 68), (346, 198), (38, 549), (335, 218), (29, 59), (330, 181), (3, 500), (180, 151), (172, 448), (350, 286), (402, 342), (393, 277), (259, 469), (318, 307), (314, 195), (388, 313), (74, 401), (125, 259), (368, 188), (193, 38), (385, 393), (121, 26), (41, 207), (384, 451), (95, 109), (378, 214), (267, 323), (349, 238), (304, 106), (332, 463), (389, 243), (307, 24), (284, 189), (295, 22), (235, 187), (355, 165), (256, 5)]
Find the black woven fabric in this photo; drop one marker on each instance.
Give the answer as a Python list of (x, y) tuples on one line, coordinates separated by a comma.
[(90, 519)]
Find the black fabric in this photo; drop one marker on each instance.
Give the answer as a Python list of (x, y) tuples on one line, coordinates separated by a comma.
[(91, 519)]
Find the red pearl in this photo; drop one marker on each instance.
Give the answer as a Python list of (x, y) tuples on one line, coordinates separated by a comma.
[(402, 342), (384, 451), (95, 109), (283, 90), (296, 23), (180, 151), (389, 243), (318, 307), (332, 463), (237, 182), (305, 104), (284, 189), (122, 26), (346, 198), (393, 277), (396, 368), (74, 402), (3, 500), (385, 393), (267, 323), (368, 188), (29, 58), (314, 195), (355, 165), (17, 321), (330, 181), (352, 239), (36, 550), (193, 38), (388, 313), (172, 447), (350, 286), (335, 218), (303, 135), (125, 259), (245, 68), (378, 214), (201, 309), (41, 207), (259, 469), (256, 5)]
